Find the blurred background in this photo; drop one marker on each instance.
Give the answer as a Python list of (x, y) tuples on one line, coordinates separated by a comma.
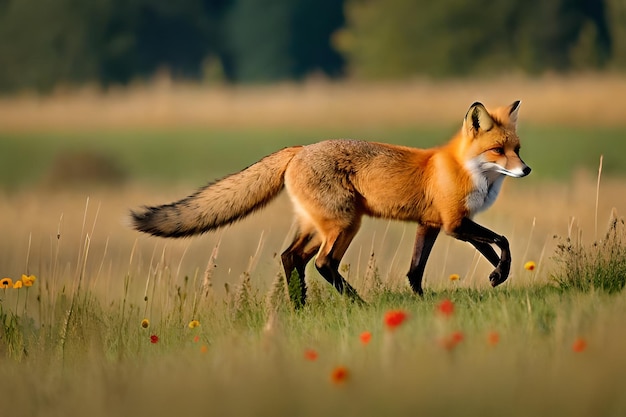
[(113, 42), (106, 105)]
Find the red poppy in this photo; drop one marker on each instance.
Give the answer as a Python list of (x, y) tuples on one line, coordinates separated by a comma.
[(451, 341), (395, 318), (493, 338), (445, 308), (339, 375), (154, 338), (196, 338), (579, 345), (365, 337), (310, 355)]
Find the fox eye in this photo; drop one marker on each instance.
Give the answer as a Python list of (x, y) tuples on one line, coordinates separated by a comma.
[(498, 150)]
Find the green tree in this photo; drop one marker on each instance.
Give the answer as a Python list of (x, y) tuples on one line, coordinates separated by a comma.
[(49, 42), (563, 35), (175, 35), (272, 40), (314, 22), (257, 34), (401, 38), (616, 10)]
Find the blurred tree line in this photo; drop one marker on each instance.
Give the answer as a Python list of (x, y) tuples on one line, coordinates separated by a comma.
[(44, 43)]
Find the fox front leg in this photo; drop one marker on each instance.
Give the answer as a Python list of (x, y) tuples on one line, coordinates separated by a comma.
[(481, 238), (424, 241)]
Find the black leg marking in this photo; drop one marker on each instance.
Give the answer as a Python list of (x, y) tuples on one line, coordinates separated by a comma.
[(424, 241), (329, 259), (295, 258), (329, 269), (481, 238)]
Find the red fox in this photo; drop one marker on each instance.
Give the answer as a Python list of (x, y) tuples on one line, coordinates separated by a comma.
[(334, 183)]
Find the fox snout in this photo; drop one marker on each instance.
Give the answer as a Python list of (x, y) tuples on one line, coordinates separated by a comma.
[(517, 172)]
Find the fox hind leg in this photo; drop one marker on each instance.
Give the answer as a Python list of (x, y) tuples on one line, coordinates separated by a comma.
[(333, 248), (295, 258)]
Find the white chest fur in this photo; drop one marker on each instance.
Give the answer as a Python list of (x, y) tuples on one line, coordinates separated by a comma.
[(487, 186)]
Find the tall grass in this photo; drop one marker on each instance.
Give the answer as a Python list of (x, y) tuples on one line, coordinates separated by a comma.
[(600, 265), (248, 356), (74, 344)]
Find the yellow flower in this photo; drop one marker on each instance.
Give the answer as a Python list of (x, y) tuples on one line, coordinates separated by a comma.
[(28, 280), (145, 323), (193, 324), (6, 282), (530, 266), (17, 285), (454, 277)]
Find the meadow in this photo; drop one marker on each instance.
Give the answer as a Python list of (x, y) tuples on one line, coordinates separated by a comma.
[(118, 323)]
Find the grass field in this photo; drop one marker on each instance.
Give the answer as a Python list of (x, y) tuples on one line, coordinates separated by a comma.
[(196, 156), (548, 342)]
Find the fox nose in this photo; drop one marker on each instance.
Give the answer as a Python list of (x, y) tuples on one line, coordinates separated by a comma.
[(526, 170)]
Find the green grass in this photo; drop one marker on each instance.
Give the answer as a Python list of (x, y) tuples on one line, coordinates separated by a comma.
[(200, 156), (92, 358)]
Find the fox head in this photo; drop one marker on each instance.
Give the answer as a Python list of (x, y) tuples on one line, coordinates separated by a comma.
[(492, 145)]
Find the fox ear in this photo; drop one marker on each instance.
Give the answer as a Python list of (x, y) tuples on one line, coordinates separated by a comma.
[(477, 118), (513, 110)]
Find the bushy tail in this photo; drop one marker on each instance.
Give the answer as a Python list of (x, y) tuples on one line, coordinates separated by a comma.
[(220, 203)]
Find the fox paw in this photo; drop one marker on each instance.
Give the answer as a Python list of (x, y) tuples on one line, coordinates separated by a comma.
[(495, 278), (499, 275)]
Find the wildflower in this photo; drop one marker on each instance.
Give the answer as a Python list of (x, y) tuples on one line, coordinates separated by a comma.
[(339, 375), (530, 266), (154, 339), (454, 277), (28, 280), (17, 285), (457, 337), (395, 318), (579, 345), (493, 338), (196, 339), (193, 324), (310, 355), (451, 341), (145, 323), (445, 308), (365, 337), (6, 282), (204, 348)]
